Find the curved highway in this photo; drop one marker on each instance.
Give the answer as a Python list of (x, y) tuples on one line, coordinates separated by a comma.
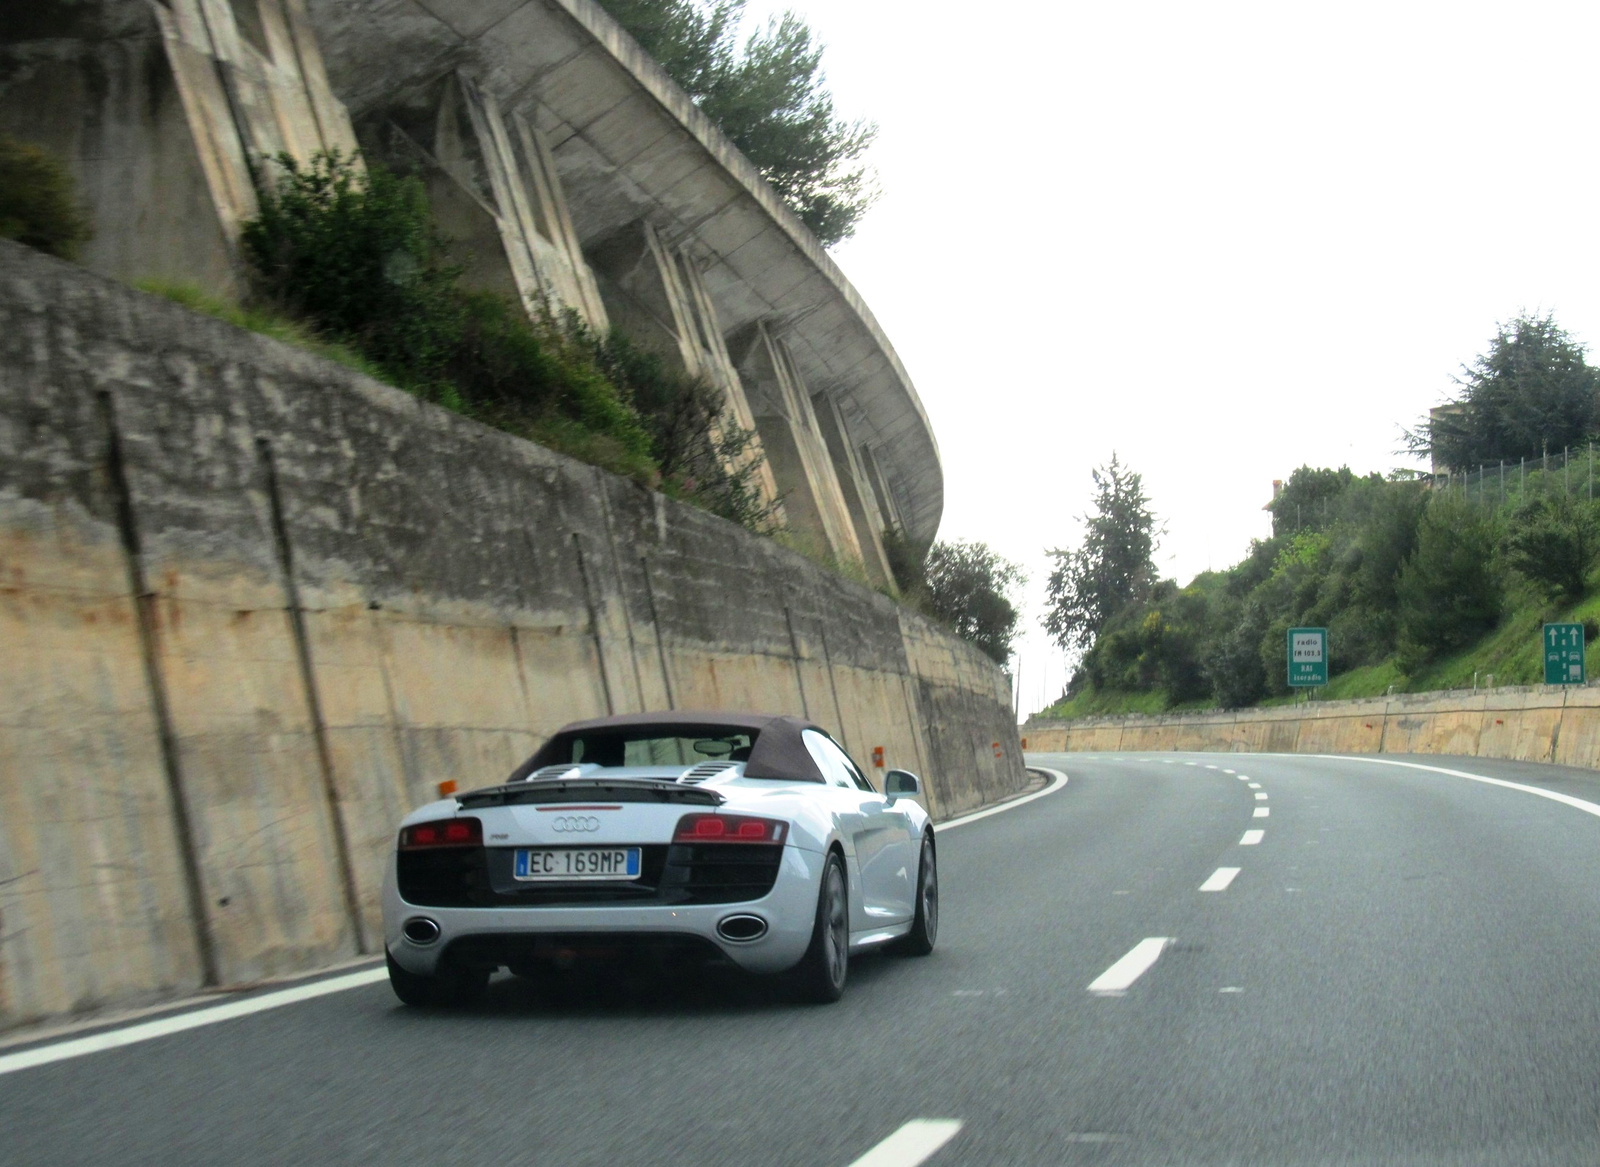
[(1173, 958)]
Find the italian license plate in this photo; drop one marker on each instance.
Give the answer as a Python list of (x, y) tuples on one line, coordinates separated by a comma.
[(573, 863)]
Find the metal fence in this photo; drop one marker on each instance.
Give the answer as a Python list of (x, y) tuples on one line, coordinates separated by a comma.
[(1569, 472)]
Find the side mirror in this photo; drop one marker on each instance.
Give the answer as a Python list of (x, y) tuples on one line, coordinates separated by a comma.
[(901, 784)]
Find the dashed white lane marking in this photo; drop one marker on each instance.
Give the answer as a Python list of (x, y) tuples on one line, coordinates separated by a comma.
[(1255, 786), (912, 1144), (1116, 979), (1251, 838), (1261, 795), (1244, 777), (1230, 771), (1220, 879), (1261, 812), (149, 1030)]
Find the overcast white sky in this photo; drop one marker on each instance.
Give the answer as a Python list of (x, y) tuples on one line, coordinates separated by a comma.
[(1219, 239)]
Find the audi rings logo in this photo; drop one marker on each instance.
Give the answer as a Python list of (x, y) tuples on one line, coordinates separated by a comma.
[(575, 824)]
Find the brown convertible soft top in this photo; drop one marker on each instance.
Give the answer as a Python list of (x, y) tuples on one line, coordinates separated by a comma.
[(778, 750)]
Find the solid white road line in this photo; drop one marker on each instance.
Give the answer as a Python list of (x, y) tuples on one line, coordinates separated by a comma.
[(1261, 795), (1117, 978), (1251, 838), (912, 1144), (1564, 799), (1220, 879), (1056, 783), (149, 1030), (1261, 812)]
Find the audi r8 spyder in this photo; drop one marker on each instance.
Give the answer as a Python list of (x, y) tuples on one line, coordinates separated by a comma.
[(732, 837)]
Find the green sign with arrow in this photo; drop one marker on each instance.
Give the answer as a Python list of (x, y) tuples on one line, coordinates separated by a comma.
[(1563, 654)]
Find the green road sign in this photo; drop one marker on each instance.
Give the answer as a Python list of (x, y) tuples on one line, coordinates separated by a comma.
[(1308, 656), (1563, 654)]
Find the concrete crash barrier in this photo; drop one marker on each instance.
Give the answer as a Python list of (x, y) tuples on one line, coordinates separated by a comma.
[(1529, 724), (256, 606)]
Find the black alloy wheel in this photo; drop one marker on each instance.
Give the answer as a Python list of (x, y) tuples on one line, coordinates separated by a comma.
[(822, 971), (925, 926)]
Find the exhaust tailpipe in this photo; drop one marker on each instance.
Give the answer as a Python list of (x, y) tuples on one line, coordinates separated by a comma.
[(420, 930), (742, 928)]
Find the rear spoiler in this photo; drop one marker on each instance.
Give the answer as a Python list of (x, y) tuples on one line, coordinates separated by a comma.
[(589, 790)]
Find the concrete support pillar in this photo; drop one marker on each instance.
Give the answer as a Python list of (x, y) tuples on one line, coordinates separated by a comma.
[(160, 111), (887, 507), (858, 496), (495, 195), (656, 295), (817, 513)]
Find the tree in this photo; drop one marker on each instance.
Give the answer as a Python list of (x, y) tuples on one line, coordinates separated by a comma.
[(769, 100), (1553, 541), (1233, 665), (1113, 567), (1531, 392), (1308, 499), (967, 587), (1451, 590)]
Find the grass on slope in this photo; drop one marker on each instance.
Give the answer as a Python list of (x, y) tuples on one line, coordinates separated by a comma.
[(275, 325)]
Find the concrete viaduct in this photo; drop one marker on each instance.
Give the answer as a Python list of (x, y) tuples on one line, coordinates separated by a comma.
[(563, 163)]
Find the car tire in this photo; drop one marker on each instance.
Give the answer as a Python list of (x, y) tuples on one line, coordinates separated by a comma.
[(452, 986), (820, 976), (925, 925)]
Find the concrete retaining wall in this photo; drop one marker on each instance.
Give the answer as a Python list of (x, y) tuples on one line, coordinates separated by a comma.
[(256, 606), (1530, 724)]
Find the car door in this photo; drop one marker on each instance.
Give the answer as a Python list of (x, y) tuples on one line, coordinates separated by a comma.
[(847, 802), (880, 834), (891, 876)]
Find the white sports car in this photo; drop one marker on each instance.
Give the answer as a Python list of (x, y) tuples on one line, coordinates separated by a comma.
[(741, 837)]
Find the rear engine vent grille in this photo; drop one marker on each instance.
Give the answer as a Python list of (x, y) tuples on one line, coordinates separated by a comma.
[(560, 770), (704, 770)]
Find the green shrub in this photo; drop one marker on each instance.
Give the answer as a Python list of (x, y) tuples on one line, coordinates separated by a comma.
[(1553, 541), (356, 255), (1452, 589), (38, 201), (1233, 665), (704, 455)]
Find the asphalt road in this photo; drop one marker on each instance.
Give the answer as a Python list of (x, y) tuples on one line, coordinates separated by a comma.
[(1403, 971)]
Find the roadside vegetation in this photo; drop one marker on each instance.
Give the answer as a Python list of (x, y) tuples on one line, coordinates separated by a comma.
[(1422, 582), (769, 97), (38, 201), (346, 261), (963, 585)]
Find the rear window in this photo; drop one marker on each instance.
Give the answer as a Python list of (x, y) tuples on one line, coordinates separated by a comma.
[(643, 746)]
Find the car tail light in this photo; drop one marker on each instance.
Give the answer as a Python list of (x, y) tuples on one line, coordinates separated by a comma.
[(442, 833), (729, 828)]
